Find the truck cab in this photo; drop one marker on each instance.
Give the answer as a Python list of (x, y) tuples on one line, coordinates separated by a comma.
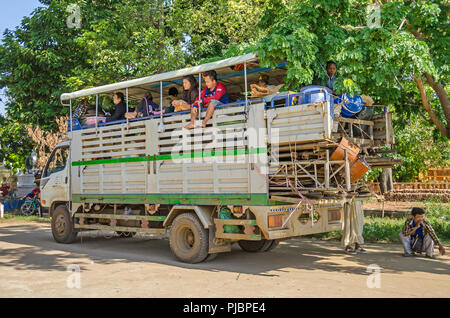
[(55, 180)]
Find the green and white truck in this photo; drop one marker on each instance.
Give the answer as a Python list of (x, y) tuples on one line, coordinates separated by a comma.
[(261, 171)]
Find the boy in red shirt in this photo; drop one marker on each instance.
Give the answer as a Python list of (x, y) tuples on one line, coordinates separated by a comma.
[(213, 94)]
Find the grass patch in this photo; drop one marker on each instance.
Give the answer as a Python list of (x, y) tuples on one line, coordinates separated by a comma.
[(32, 218), (386, 230)]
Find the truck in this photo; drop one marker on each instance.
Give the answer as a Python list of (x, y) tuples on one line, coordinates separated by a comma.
[(263, 170)]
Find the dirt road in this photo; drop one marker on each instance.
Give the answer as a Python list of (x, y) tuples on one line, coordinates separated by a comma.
[(33, 265)]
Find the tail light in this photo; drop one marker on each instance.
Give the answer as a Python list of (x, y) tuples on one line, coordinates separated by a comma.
[(275, 221)]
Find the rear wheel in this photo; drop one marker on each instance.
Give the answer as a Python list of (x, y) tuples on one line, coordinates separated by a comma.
[(62, 226), (274, 244), (255, 246), (188, 239)]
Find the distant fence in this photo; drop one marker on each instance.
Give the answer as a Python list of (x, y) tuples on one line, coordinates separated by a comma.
[(441, 174), (413, 186)]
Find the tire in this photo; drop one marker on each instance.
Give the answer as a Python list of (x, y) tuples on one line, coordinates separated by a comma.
[(63, 226), (274, 244), (126, 234), (211, 257), (255, 246), (27, 209), (189, 241)]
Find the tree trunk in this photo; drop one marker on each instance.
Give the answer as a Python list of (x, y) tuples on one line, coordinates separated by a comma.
[(386, 182), (442, 128)]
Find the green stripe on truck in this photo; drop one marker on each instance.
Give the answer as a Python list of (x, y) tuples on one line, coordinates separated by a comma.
[(195, 199), (190, 155)]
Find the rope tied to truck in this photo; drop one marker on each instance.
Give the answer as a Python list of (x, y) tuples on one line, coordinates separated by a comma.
[(309, 205)]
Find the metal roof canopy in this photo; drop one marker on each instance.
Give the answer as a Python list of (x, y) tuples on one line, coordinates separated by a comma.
[(144, 82)]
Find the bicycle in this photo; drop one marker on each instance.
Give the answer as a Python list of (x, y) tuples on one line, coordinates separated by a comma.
[(30, 206)]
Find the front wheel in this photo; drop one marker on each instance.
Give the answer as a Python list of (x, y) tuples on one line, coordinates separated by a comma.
[(62, 226), (189, 240), (27, 209)]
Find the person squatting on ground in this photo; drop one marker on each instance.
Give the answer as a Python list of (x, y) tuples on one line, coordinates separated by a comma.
[(418, 236)]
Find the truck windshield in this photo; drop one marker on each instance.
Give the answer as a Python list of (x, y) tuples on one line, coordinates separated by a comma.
[(57, 161)]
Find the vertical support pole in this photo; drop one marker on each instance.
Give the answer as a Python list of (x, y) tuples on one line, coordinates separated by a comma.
[(161, 102), (327, 171), (199, 96), (70, 159), (70, 118), (127, 107), (347, 172), (245, 80), (96, 113), (315, 175), (127, 98), (371, 132)]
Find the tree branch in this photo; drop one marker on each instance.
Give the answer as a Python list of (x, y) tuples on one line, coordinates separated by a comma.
[(444, 130), (442, 95)]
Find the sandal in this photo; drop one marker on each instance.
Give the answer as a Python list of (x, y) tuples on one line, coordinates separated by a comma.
[(190, 126), (350, 250), (361, 250)]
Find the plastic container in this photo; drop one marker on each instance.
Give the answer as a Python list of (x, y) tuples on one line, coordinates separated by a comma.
[(351, 106), (358, 169), (316, 94), (225, 214), (339, 153)]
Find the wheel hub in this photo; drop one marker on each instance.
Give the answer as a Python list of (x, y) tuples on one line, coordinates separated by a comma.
[(60, 224)]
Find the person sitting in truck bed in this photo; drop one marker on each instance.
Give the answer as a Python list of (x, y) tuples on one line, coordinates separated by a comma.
[(190, 94), (120, 108), (262, 88), (168, 101), (213, 95), (144, 109)]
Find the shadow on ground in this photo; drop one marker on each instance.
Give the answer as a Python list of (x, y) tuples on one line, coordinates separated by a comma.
[(38, 251)]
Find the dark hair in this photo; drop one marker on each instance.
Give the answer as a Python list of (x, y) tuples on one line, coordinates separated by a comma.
[(416, 211), (149, 97), (331, 62), (120, 95), (263, 78), (173, 91), (211, 74), (191, 80)]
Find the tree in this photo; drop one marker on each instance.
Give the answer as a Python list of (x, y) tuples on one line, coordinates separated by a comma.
[(387, 61)]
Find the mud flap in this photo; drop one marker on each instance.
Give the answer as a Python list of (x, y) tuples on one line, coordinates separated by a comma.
[(217, 248)]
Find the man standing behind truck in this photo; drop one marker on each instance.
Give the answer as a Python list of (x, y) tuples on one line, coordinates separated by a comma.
[(418, 236), (213, 95)]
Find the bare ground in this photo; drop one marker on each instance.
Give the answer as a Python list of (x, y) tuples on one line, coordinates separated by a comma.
[(33, 265)]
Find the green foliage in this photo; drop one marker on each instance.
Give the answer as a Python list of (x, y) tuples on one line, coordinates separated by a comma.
[(377, 61), (419, 149), (118, 40), (124, 39)]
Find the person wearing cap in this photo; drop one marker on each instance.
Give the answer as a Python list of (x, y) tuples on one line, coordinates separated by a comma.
[(263, 88)]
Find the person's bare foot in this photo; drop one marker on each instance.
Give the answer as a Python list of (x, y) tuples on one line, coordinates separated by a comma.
[(203, 125), (190, 126)]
